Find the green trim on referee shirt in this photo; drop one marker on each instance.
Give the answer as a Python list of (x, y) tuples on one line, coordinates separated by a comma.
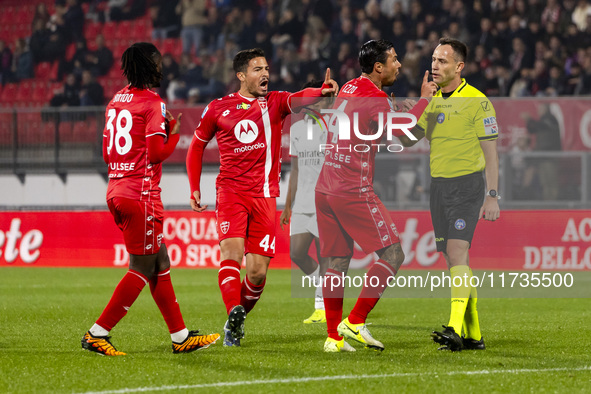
[(454, 127)]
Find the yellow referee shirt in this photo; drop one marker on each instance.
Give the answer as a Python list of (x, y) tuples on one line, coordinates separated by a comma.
[(454, 126)]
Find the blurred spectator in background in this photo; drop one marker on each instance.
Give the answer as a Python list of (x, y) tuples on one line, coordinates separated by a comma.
[(22, 62), (68, 95), (170, 72), (39, 39), (120, 10), (579, 16), (55, 47), (91, 92), (165, 21), (74, 20), (193, 97), (5, 63), (556, 83), (193, 19), (78, 62), (101, 59), (41, 14), (547, 138)]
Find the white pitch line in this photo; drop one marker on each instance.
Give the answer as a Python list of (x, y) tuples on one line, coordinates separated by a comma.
[(337, 377)]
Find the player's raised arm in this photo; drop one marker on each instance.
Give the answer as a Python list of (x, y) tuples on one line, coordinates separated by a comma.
[(330, 87), (311, 96)]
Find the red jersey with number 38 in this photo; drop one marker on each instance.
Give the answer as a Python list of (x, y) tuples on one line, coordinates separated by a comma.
[(133, 116)]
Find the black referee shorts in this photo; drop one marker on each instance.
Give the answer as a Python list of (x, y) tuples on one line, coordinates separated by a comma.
[(455, 205)]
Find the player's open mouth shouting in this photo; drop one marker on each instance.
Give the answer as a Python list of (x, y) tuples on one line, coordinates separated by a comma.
[(264, 84)]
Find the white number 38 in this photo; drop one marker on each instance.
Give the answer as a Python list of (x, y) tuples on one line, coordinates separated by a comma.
[(122, 134)]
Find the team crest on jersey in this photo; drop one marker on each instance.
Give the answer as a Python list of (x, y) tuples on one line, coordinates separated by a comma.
[(263, 103), (163, 106), (224, 227), (243, 106), (246, 131), (440, 117)]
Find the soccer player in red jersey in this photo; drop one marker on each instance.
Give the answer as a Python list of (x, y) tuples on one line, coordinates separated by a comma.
[(247, 125), (347, 207), (139, 135)]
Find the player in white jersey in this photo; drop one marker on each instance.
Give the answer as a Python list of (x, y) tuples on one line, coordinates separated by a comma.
[(306, 163)]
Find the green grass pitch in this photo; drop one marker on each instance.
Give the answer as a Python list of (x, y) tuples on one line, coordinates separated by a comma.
[(533, 345)]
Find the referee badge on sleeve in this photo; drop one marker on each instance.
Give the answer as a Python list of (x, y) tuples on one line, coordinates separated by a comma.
[(490, 126)]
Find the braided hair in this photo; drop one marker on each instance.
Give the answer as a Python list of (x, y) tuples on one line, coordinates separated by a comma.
[(139, 63)]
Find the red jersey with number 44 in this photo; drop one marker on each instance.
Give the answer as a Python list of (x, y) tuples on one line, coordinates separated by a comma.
[(248, 133), (133, 116)]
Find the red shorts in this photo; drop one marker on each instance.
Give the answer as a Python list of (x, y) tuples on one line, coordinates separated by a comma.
[(344, 219), (251, 218), (141, 223)]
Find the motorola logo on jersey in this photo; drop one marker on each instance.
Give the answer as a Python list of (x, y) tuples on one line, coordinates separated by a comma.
[(246, 131)]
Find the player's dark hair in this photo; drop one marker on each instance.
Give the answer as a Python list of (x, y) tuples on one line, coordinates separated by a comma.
[(242, 58), (139, 63), (315, 83), (460, 49), (372, 52)]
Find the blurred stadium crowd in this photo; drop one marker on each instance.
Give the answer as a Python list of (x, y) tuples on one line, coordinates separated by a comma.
[(65, 52)]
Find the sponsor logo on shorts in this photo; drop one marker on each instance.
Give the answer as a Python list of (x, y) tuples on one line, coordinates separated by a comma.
[(440, 117), (224, 227), (460, 224)]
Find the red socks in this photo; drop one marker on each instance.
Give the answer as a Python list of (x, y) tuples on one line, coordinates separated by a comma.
[(333, 291), (163, 293), (125, 294), (370, 295), (229, 282), (250, 294)]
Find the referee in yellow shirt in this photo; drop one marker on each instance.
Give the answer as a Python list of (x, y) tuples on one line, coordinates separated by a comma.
[(461, 127)]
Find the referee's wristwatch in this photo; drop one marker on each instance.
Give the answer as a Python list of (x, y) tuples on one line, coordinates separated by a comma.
[(493, 193)]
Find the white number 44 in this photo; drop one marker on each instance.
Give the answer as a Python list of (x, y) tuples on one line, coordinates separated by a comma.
[(265, 243)]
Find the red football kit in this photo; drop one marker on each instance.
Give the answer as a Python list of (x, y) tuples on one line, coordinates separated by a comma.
[(135, 143), (248, 134), (347, 207)]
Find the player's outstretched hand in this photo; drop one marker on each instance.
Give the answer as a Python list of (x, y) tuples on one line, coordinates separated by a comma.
[(284, 218), (196, 202), (176, 124), (334, 86), (428, 88)]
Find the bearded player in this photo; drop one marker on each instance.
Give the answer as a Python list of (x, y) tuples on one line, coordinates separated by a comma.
[(247, 125)]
